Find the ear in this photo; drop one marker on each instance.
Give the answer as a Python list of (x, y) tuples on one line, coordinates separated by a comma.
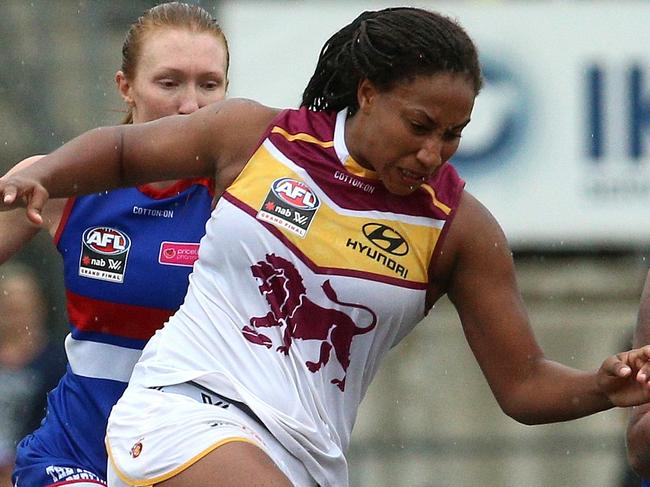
[(124, 88), (366, 93)]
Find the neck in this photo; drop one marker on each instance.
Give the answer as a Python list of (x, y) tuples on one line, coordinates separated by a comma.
[(353, 134)]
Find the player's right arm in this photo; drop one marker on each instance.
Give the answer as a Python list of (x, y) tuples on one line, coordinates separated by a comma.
[(16, 230), (638, 429), (214, 141)]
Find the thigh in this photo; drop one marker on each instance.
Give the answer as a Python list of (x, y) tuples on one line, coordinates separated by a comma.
[(170, 439), (232, 465)]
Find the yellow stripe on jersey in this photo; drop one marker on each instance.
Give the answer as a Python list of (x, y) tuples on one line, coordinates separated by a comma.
[(302, 136), (355, 168), (358, 170), (439, 204), (340, 239)]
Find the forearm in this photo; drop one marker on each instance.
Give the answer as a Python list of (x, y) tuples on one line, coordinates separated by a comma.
[(126, 155), (89, 163), (553, 392), (528, 387), (15, 231)]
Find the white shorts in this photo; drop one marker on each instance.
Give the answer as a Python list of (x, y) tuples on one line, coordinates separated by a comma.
[(153, 434)]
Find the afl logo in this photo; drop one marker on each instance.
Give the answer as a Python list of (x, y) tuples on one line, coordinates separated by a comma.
[(295, 193), (386, 238), (106, 241), (136, 450)]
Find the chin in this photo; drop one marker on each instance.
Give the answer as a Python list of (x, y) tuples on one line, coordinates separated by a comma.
[(401, 190)]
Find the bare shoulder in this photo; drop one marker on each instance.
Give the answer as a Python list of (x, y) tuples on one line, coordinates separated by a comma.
[(474, 237), (478, 237), (237, 124), (233, 129), (474, 221)]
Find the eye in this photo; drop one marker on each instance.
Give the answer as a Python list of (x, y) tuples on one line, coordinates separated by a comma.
[(211, 85), (167, 83), (418, 128), (453, 135)]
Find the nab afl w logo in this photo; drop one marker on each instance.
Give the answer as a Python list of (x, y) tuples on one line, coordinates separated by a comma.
[(290, 204), (104, 252), (386, 238), (296, 193)]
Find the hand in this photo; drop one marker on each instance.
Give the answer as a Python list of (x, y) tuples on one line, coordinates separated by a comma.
[(625, 377), (17, 191)]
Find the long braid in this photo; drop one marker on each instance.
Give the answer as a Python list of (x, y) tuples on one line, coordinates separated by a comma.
[(386, 47)]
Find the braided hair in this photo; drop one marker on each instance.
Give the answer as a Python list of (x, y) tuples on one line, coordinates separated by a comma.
[(387, 47)]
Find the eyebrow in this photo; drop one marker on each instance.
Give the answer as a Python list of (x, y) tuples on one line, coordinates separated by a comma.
[(432, 120), (171, 70), (462, 125)]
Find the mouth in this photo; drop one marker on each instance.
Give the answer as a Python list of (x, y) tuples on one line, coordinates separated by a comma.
[(412, 178)]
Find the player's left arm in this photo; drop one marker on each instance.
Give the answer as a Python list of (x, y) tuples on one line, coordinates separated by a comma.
[(528, 387)]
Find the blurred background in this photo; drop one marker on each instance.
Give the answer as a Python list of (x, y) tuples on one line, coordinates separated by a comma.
[(558, 149)]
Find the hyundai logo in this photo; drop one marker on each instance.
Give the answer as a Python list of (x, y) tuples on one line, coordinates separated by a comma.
[(386, 238)]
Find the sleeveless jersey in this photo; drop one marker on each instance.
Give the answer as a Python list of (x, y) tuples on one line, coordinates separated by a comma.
[(310, 271), (127, 255)]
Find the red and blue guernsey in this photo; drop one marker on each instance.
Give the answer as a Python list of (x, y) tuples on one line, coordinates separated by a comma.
[(127, 255)]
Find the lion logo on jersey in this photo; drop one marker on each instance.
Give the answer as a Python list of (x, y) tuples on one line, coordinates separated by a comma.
[(282, 287)]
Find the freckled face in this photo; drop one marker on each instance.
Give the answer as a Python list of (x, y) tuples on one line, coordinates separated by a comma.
[(407, 133), (178, 72)]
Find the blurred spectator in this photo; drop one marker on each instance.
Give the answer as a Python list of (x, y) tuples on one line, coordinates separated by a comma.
[(30, 365)]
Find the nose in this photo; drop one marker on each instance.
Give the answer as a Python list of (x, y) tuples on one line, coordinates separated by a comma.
[(189, 101), (430, 154)]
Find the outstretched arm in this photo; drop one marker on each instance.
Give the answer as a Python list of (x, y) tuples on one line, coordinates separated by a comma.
[(638, 430), (527, 386), (17, 231), (208, 142)]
